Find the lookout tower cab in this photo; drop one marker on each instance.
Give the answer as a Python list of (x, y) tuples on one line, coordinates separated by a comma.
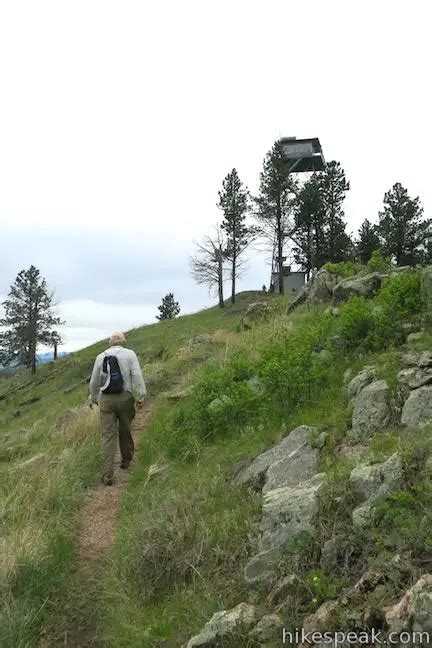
[(293, 281), (303, 155)]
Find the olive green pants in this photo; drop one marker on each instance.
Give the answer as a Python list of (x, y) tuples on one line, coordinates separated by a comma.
[(116, 412)]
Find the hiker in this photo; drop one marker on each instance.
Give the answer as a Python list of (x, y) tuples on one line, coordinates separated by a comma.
[(115, 379)]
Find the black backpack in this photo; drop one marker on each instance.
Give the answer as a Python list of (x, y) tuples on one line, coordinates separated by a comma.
[(114, 383)]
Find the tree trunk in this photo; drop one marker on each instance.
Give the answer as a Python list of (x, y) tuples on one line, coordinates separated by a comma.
[(55, 351), (280, 250), (220, 282), (233, 278)]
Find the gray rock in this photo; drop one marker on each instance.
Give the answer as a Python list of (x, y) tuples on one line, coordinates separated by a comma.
[(198, 340), (373, 484), (425, 360), (359, 286), (267, 629), (256, 313), (414, 610), (255, 385), (288, 513), (365, 377), (417, 410), (322, 619), (330, 552), (413, 378), (321, 288), (409, 359), (299, 465), (285, 450), (35, 462), (224, 625), (371, 409)]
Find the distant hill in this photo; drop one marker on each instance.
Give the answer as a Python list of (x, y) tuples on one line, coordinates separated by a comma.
[(49, 355)]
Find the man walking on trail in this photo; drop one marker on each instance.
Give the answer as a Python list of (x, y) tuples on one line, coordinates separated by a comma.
[(115, 379)]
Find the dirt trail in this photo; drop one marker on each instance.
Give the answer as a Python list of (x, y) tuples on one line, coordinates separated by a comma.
[(96, 533), (98, 518)]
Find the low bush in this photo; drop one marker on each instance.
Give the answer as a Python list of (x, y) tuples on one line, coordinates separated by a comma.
[(343, 269)]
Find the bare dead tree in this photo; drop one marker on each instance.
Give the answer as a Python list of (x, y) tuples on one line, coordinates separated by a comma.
[(207, 265)]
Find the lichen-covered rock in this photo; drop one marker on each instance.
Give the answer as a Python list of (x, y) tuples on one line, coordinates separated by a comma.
[(359, 382), (255, 313), (267, 629), (417, 410), (373, 484), (323, 619), (415, 337), (413, 378), (321, 288), (224, 625), (283, 588), (414, 610), (285, 451), (288, 513), (181, 394), (359, 286), (371, 410), (198, 340)]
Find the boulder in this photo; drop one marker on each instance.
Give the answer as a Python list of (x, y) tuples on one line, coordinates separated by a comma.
[(409, 359), (413, 378), (322, 286), (288, 513), (373, 484), (414, 611), (198, 340), (417, 410), (425, 360), (255, 313), (360, 381), (224, 626), (267, 629), (283, 588), (323, 619), (181, 394), (299, 465), (358, 286), (426, 285), (371, 410), (288, 451)]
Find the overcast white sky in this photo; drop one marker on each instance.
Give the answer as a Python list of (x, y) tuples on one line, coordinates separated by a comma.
[(119, 120)]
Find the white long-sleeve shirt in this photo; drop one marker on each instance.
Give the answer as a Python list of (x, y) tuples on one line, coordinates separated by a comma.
[(129, 367)]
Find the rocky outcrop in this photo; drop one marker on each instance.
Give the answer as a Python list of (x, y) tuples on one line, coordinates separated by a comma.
[(288, 513), (417, 410), (225, 625), (372, 484), (371, 410), (268, 629), (322, 287), (359, 382), (414, 610), (358, 286), (282, 464)]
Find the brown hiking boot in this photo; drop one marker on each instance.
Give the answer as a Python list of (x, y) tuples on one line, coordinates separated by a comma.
[(125, 465)]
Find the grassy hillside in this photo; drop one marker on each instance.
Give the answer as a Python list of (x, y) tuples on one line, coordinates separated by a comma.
[(186, 531), (38, 503)]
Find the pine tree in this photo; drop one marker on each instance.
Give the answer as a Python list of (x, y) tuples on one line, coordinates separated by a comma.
[(274, 203), (308, 235), (401, 228), (234, 203), (333, 187), (29, 319), (367, 241), (169, 308), (207, 265)]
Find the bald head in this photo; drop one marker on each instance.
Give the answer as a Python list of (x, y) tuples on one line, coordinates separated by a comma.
[(117, 338)]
